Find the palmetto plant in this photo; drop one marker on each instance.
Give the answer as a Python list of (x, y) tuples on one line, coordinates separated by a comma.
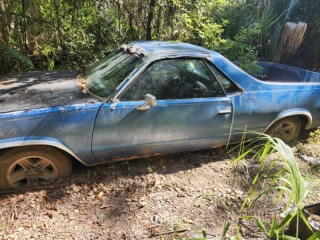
[(287, 178), (271, 15)]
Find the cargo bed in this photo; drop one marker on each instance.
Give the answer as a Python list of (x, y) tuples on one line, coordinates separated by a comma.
[(276, 72)]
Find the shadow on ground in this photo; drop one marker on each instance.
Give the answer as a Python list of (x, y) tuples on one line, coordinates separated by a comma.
[(139, 199)]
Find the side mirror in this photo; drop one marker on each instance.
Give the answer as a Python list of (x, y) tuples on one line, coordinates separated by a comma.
[(149, 101)]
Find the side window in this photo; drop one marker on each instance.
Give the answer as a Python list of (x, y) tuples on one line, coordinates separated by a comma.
[(225, 82), (175, 79)]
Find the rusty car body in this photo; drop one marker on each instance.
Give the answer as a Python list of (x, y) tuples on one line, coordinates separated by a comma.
[(145, 98)]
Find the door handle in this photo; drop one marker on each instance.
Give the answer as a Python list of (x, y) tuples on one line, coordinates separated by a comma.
[(226, 111)]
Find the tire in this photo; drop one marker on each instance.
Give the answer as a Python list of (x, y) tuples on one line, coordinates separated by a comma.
[(30, 166), (287, 129)]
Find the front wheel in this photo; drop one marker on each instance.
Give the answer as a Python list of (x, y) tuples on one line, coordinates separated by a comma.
[(287, 129), (31, 166)]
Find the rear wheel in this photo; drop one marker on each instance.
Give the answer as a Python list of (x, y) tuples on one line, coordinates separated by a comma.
[(31, 166), (287, 129)]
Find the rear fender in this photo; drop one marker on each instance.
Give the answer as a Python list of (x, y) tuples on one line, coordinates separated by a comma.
[(291, 113)]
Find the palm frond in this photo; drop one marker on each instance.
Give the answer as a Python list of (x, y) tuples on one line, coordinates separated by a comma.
[(17, 55), (293, 4)]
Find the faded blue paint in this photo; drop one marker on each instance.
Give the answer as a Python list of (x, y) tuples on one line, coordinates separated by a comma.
[(71, 126), (167, 47), (170, 126), (262, 101), (95, 133)]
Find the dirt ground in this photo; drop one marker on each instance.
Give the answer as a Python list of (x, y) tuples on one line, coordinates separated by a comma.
[(151, 198)]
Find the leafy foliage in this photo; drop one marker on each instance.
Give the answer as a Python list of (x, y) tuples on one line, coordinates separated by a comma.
[(314, 137), (57, 34)]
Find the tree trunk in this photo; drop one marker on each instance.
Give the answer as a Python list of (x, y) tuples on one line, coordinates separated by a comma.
[(4, 19), (158, 22), (152, 4), (23, 27)]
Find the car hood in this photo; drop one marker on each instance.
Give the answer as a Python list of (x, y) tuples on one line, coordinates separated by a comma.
[(40, 89)]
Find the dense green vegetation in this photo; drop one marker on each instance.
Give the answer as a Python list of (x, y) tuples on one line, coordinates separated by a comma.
[(56, 34)]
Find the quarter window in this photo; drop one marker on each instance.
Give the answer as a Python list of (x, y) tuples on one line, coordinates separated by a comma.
[(225, 82)]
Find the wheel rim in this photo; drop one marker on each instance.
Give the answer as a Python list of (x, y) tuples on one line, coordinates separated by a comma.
[(30, 171), (286, 131)]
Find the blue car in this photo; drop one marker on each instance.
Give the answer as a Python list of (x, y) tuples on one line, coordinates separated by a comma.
[(144, 99)]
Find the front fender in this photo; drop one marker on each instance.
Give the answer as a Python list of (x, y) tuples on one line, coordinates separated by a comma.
[(32, 141), (293, 112)]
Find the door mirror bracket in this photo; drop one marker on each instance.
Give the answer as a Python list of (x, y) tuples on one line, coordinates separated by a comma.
[(149, 101), (113, 104)]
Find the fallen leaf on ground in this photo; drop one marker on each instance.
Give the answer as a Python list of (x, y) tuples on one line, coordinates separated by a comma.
[(100, 194)]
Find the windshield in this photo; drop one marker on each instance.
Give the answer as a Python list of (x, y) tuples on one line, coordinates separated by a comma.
[(103, 77)]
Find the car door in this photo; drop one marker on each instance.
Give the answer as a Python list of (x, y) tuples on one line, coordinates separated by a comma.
[(192, 112)]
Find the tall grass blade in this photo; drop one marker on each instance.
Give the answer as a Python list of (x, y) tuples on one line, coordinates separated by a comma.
[(273, 226), (315, 236), (244, 203), (204, 234), (225, 230), (238, 232), (266, 150), (303, 217), (260, 224), (286, 237), (241, 156), (266, 192)]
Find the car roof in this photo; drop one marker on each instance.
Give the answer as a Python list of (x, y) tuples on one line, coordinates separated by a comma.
[(163, 46)]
